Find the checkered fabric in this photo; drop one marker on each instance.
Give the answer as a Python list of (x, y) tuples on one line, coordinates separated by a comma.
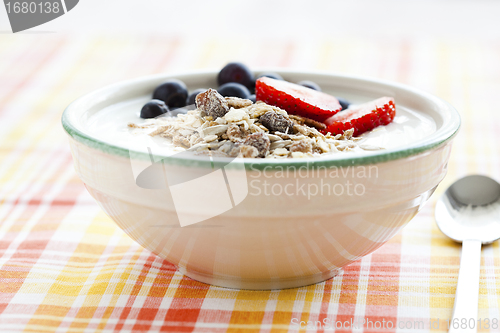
[(66, 267)]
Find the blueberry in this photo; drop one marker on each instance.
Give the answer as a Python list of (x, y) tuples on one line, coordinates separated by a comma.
[(153, 108), (232, 89), (253, 98), (172, 92), (272, 75), (192, 97), (310, 85), (343, 103), (236, 72)]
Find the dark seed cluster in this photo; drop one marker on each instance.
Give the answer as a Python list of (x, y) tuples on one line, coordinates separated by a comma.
[(211, 103), (276, 122)]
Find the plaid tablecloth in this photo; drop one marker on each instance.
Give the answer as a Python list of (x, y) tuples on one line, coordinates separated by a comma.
[(67, 267)]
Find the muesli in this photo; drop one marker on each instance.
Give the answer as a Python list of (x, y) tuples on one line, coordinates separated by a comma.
[(236, 127)]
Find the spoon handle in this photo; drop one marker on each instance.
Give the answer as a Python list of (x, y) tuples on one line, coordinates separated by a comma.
[(467, 294)]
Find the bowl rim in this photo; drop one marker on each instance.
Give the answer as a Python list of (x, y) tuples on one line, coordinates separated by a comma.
[(440, 137)]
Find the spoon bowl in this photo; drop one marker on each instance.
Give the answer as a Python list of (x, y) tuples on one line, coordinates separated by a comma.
[(470, 209), (469, 212)]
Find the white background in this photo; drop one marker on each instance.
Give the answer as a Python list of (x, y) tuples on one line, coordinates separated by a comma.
[(297, 19)]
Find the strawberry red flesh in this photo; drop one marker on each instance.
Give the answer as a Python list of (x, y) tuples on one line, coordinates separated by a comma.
[(296, 99), (362, 118)]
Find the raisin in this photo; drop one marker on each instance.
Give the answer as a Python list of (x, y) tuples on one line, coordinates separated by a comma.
[(260, 141), (276, 122), (212, 104)]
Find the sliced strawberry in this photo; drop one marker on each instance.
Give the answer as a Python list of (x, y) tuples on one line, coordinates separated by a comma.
[(296, 99), (362, 118)]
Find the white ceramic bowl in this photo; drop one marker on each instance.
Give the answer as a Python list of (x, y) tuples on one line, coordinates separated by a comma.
[(266, 241)]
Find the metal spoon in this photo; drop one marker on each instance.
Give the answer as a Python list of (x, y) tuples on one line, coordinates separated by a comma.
[(469, 212)]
